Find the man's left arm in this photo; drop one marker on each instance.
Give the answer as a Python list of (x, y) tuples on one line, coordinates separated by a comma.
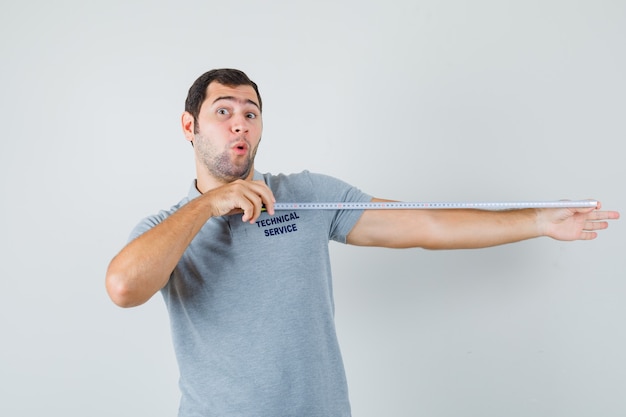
[(470, 228)]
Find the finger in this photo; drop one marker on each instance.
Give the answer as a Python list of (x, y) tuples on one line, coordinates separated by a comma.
[(602, 215), (595, 225), (588, 236), (609, 215), (584, 210), (253, 207), (247, 197), (267, 196), (261, 197), (595, 215), (246, 207)]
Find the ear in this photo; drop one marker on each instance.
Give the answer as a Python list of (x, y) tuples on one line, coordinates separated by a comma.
[(188, 124)]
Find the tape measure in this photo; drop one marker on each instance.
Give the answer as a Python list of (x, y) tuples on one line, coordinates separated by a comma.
[(398, 205)]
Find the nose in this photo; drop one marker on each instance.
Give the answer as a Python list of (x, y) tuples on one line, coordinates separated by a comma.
[(240, 124)]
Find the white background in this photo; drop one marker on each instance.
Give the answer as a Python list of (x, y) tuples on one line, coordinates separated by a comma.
[(407, 99)]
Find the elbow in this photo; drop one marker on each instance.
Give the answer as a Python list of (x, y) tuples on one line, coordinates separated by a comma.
[(119, 291)]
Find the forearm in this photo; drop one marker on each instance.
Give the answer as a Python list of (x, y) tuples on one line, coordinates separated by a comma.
[(471, 229), (444, 229), (144, 266)]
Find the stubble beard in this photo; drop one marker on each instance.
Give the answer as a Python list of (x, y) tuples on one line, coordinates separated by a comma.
[(219, 163)]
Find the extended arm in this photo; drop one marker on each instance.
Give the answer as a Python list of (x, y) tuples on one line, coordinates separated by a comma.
[(464, 229), (144, 266)]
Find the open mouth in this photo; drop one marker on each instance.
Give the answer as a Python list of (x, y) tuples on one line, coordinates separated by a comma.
[(240, 148)]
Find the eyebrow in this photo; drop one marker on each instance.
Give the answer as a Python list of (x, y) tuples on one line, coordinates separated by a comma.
[(243, 101)]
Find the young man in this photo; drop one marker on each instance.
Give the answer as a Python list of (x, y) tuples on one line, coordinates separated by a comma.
[(249, 289)]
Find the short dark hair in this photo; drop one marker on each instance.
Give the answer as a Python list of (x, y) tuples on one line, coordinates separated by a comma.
[(226, 76)]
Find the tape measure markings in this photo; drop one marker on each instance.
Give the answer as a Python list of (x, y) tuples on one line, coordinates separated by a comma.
[(400, 205)]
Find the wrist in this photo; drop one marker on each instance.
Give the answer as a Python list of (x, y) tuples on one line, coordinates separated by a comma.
[(541, 222)]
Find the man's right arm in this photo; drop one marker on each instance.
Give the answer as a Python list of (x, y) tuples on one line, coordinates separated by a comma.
[(145, 264)]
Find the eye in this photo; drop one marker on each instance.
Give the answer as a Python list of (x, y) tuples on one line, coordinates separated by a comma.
[(222, 111), (251, 115)]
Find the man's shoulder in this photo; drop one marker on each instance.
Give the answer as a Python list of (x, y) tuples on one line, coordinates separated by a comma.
[(307, 186), (304, 176), (152, 220)]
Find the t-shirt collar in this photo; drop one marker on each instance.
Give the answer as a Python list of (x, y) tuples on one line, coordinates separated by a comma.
[(193, 190)]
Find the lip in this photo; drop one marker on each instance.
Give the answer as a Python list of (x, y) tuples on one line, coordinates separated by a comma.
[(240, 148)]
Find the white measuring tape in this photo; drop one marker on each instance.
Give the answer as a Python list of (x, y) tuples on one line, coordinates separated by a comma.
[(397, 205)]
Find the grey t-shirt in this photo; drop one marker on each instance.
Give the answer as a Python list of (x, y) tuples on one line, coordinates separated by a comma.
[(251, 307)]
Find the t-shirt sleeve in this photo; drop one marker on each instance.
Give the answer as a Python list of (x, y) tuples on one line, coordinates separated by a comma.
[(143, 226), (149, 222)]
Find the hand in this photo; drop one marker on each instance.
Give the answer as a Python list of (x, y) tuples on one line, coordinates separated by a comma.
[(575, 224), (239, 196)]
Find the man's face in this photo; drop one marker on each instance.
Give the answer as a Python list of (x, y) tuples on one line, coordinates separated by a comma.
[(228, 132)]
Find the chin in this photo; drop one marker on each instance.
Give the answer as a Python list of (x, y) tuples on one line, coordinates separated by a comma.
[(237, 176)]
